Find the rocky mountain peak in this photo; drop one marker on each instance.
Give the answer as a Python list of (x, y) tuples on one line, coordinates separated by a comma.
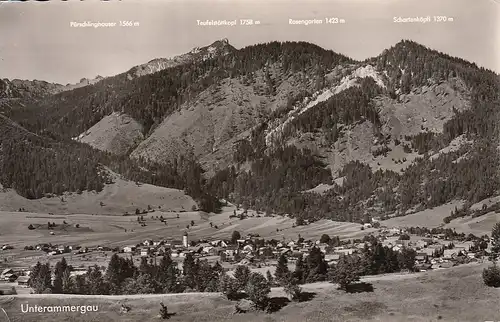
[(219, 47)]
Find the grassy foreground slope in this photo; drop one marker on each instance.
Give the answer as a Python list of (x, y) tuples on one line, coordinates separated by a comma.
[(443, 295)]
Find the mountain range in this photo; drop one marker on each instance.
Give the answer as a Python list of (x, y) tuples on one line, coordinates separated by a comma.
[(283, 127)]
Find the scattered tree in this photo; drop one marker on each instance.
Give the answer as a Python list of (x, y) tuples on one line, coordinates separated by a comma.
[(258, 290), (292, 288), (282, 272), (42, 279), (242, 274), (164, 312), (59, 270), (406, 259), (495, 242), (325, 239), (228, 286), (235, 236), (270, 278), (95, 282), (346, 272)]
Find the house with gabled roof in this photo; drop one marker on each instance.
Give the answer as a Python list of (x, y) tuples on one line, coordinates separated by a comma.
[(219, 243), (248, 248), (465, 245), (421, 257), (9, 277), (23, 280), (128, 249), (6, 271), (230, 251), (348, 251), (422, 243), (177, 244), (332, 258)]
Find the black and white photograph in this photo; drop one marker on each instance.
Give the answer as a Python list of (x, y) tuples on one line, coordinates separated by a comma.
[(250, 160)]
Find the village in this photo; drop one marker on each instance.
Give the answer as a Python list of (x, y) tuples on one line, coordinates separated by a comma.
[(433, 250)]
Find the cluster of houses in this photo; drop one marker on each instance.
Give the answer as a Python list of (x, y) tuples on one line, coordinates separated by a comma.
[(430, 250), (51, 249), (22, 277), (180, 248), (433, 251)]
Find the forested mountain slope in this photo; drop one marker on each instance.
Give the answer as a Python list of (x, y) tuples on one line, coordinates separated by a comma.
[(36, 166), (409, 129), (419, 111)]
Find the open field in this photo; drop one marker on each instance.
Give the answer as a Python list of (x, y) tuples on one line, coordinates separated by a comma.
[(478, 226), (429, 218), (117, 198), (110, 230), (442, 295), (432, 218)]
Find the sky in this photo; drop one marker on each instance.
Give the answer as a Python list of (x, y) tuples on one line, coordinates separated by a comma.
[(37, 41)]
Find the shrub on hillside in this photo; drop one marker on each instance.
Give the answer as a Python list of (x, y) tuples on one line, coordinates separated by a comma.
[(164, 312), (491, 276), (292, 289), (47, 291)]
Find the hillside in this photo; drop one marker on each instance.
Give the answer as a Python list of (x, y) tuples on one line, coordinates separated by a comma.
[(219, 116), (17, 88), (35, 166), (18, 93), (74, 110), (442, 295), (116, 133), (115, 198), (409, 129), (378, 125)]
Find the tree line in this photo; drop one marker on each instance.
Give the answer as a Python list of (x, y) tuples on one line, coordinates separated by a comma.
[(123, 277)]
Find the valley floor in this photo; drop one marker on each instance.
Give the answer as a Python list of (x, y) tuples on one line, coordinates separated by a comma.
[(456, 294), (119, 231)]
